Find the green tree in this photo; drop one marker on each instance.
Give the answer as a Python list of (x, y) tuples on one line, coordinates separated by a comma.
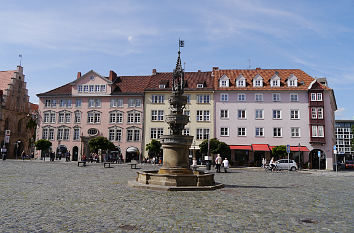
[(153, 148), (279, 152), (31, 125), (43, 145), (216, 147), (100, 143)]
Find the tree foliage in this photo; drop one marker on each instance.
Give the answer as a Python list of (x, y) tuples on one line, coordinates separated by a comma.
[(279, 152), (216, 147), (43, 144), (153, 148), (100, 143)]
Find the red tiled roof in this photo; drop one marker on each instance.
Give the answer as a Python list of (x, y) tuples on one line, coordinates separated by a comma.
[(34, 107), (241, 147), (63, 90), (5, 78), (131, 84), (191, 79), (260, 147), (266, 74)]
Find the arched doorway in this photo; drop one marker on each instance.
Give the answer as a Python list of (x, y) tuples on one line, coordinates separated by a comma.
[(75, 153), (315, 160), (132, 153)]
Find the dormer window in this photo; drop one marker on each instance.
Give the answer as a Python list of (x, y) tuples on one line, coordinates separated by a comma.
[(200, 85), (292, 81), (162, 86), (275, 81), (92, 77), (258, 81), (241, 81), (224, 81)]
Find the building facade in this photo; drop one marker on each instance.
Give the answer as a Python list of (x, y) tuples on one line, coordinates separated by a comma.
[(259, 109), (344, 136), (14, 113), (94, 105), (199, 108)]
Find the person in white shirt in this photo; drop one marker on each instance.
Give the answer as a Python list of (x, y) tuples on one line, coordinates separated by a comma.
[(226, 164), (272, 163), (218, 162)]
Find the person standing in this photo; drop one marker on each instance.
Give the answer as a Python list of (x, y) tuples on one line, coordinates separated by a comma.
[(225, 164), (218, 162), (272, 164), (23, 155)]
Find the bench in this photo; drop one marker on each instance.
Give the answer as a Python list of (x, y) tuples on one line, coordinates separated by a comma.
[(81, 162), (133, 165), (106, 163)]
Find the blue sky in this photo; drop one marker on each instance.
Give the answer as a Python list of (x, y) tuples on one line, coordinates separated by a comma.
[(59, 38)]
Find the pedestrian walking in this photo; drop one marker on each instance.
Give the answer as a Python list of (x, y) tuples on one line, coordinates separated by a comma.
[(264, 162), (225, 164), (218, 162)]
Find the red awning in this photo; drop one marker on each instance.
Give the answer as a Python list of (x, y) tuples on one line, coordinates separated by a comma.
[(240, 147), (301, 148), (260, 147)]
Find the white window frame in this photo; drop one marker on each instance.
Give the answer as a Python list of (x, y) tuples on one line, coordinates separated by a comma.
[(241, 114), (276, 97), (292, 99), (276, 114), (241, 131), (224, 132), (241, 97), (277, 132), (295, 132), (259, 132), (294, 114), (224, 114), (259, 114), (258, 97), (224, 97)]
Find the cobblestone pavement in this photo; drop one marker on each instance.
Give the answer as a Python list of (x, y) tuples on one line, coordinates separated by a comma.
[(61, 197)]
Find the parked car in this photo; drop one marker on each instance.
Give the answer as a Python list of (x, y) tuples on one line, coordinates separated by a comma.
[(284, 164), (349, 164)]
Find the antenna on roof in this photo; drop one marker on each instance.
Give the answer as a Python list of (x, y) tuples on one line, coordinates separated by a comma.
[(249, 63), (20, 56)]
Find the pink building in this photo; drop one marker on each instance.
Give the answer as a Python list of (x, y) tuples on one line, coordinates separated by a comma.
[(258, 109), (94, 105)]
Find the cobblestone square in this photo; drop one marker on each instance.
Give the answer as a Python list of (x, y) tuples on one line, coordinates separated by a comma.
[(56, 196)]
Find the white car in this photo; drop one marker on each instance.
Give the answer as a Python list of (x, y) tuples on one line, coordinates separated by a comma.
[(284, 164)]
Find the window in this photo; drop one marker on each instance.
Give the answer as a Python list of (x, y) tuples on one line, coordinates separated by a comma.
[(51, 134), (276, 97), (54, 103), (241, 114), (155, 133), (79, 88), (60, 134), (156, 115), (275, 83), (259, 97), (241, 97), (317, 113), (61, 117), (47, 103), (92, 132), (44, 133), (78, 103), (200, 85), (62, 103), (85, 88), (292, 83), (224, 131), (317, 131), (67, 117), (91, 88), (259, 114), (259, 132), (112, 117), (224, 83), (185, 131), (162, 86), (76, 134), (103, 88), (133, 135), (295, 132), (134, 117), (98, 103), (187, 113), (316, 96), (241, 82), (203, 99), (97, 88), (294, 114), (93, 117), (138, 103), (188, 99), (52, 117), (68, 103), (92, 103), (241, 131), (77, 117), (294, 98), (157, 99), (224, 114), (131, 103), (224, 97), (115, 134), (46, 117), (277, 132), (203, 115), (202, 134), (276, 114), (131, 117), (66, 134)]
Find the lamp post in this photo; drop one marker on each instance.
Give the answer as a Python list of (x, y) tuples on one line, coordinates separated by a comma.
[(299, 146)]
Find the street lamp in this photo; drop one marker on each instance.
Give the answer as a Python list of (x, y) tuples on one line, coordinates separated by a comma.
[(299, 146)]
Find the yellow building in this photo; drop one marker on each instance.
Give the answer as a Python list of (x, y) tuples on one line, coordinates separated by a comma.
[(200, 107)]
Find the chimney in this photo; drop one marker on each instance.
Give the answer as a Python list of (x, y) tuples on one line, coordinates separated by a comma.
[(153, 71), (215, 68), (112, 75), (78, 75), (199, 71), (258, 69)]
